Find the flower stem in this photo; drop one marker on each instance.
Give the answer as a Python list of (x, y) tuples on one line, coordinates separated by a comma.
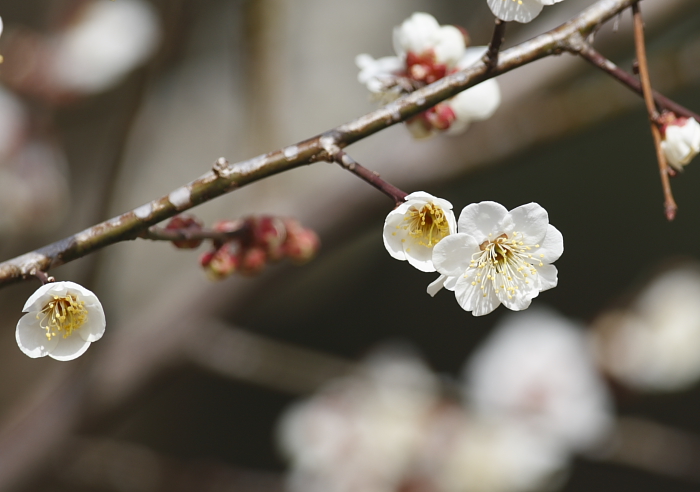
[(588, 53), (371, 177), (162, 234), (669, 203), (499, 34)]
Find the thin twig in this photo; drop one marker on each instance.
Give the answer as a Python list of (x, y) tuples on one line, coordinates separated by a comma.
[(499, 34), (588, 53), (371, 177), (224, 177), (162, 234), (669, 203)]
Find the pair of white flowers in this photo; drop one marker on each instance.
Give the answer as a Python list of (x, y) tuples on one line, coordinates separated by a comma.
[(490, 256)]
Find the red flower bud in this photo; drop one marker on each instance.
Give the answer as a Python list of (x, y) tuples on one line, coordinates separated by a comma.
[(185, 223)]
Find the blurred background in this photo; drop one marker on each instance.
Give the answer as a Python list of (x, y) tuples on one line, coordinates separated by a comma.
[(343, 374)]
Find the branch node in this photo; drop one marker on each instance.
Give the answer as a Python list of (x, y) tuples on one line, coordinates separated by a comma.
[(221, 167)]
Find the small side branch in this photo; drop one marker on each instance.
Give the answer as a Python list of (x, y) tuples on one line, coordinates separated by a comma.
[(371, 177), (588, 53), (669, 203), (491, 56), (162, 234)]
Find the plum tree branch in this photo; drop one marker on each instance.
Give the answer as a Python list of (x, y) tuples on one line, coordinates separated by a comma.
[(225, 177)]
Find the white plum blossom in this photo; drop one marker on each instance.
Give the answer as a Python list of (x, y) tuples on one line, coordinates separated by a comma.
[(518, 10), (412, 229), (681, 141), (655, 345), (537, 370), (426, 53), (498, 257), (62, 320)]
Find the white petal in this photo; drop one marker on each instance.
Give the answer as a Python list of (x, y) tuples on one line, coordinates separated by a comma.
[(517, 10), (477, 103), (484, 218), (448, 45), (94, 327), (415, 34), (548, 276), (419, 256), (552, 246), (437, 285), (471, 297), (31, 338), (42, 295), (453, 254), (530, 221), (69, 348), (522, 297), (394, 234)]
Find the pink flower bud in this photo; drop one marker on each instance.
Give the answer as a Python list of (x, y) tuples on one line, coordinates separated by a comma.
[(185, 223), (253, 261), (270, 233), (220, 263), (301, 245)]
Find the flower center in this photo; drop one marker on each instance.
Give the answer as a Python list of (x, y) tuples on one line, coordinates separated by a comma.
[(62, 315), (503, 263), (427, 225)]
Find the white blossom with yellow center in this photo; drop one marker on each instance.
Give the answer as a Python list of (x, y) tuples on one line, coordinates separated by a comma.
[(412, 230), (518, 10), (62, 320), (498, 257)]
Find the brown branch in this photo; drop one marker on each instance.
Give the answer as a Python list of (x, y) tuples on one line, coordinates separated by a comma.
[(371, 177), (499, 34), (162, 234), (588, 53), (224, 177), (669, 203)]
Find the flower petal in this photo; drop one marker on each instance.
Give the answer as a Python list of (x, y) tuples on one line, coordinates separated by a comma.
[(421, 257), (472, 298), (452, 256), (551, 247), (484, 218), (31, 338), (94, 327), (394, 234), (548, 276), (69, 348), (436, 286), (512, 10), (530, 221)]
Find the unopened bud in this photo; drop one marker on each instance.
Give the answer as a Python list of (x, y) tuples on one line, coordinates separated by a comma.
[(185, 223), (681, 139), (253, 261), (301, 245), (220, 263)]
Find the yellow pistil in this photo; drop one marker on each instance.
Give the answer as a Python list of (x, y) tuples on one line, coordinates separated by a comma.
[(62, 315), (502, 264), (428, 225)]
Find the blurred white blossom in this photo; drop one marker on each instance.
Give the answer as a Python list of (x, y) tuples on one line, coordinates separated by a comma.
[(105, 42), (427, 52), (681, 141), (360, 433), (62, 320), (498, 257), (518, 10), (655, 345), (416, 226), (537, 370)]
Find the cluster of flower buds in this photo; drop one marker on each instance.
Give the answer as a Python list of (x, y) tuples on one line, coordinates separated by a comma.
[(255, 241)]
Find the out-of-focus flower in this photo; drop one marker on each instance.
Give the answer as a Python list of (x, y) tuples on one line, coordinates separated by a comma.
[(463, 452), (498, 257), (413, 229), (681, 139), (518, 10), (655, 345), (428, 52), (361, 432), (91, 52), (537, 370), (62, 320), (185, 222)]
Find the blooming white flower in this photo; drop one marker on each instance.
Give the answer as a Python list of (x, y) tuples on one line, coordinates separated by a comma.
[(413, 229), (518, 10), (62, 320), (655, 345), (428, 52), (681, 141), (498, 257), (537, 369)]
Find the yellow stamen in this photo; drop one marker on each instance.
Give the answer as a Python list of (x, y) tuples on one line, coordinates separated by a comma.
[(63, 314)]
